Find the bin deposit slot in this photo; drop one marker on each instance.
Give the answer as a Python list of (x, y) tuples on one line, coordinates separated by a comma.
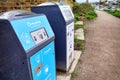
[(37, 69)]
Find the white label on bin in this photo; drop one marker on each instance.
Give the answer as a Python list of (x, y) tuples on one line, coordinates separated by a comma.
[(70, 43), (39, 35)]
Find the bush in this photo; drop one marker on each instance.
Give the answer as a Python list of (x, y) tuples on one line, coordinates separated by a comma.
[(84, 9), (81, 9), (90, 15), (76, 17), (114, 12)]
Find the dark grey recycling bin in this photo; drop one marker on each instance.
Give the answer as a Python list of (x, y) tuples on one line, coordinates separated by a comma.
[(26, 47), (62, 22)]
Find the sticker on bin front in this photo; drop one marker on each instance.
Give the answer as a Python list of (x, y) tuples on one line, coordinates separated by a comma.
[(42, 63), (39, 35), (32, 31)]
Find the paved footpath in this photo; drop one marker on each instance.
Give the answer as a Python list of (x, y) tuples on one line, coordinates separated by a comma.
[(101, 57)]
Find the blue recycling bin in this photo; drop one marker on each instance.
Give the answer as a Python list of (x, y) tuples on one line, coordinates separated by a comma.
[(62, 22), (26, 47)]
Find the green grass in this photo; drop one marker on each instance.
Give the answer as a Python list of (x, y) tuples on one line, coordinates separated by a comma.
[(73, 74), (77, 26), (81, 9), (79, 44), (84, 10), (90, 15), (76, 17), (114, 12)]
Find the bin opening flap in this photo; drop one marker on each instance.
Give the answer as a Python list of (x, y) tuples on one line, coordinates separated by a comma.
[(66, 12), (14, 13)]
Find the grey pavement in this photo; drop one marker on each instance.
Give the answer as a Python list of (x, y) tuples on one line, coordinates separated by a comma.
[(67, 75), (101, 57), (80, 34)]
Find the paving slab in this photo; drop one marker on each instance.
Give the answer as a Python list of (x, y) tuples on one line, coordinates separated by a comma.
[(64, 77), (80, 22), (80, 34), (67, 75), (76, 59)]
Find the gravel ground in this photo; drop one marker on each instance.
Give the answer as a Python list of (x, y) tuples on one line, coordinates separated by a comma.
[(101, 58)]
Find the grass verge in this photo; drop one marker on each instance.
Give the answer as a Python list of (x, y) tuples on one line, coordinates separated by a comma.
[(84, 11), (73, 74), (79, 44), (114, 12)]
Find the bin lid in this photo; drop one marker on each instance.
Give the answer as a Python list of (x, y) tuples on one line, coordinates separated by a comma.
[(47, 4), (14, 13), (65, 10)]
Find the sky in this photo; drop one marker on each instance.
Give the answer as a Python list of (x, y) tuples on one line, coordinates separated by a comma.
[(80, 1)]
